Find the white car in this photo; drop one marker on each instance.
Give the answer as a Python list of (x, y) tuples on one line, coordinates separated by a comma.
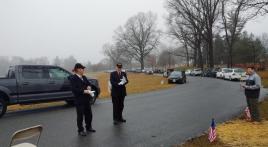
[(197, 72), (221, 72), (188, 72), (235, 74)]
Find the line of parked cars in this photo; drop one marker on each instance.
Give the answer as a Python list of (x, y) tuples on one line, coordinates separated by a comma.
[(221, 73), (149, 71)]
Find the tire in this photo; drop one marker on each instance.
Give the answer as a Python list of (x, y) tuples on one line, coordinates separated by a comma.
[(93, 100), (3, 107)]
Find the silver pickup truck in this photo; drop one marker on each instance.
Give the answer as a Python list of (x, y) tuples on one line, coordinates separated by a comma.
[(26, 84)]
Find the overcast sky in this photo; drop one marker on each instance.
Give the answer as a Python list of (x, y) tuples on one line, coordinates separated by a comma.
[(36, 28)]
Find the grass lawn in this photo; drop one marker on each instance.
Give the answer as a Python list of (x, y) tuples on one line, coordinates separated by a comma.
[(138, 83), (239, 132)]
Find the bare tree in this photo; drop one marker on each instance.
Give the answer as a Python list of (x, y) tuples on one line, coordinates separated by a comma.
[(57, 61), (166, 59), (186, 25), (260, 6), (151, 60), (68, 63), (5, 63), (264, 40), (233, 22), (210, 10), (117, 53), (139, 35)]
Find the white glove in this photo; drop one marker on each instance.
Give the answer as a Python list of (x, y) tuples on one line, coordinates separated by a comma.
[(86, 91), (92, 93), (123, 81)]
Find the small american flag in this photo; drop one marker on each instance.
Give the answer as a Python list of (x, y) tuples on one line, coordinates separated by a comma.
[(212, 131), (247, 114)]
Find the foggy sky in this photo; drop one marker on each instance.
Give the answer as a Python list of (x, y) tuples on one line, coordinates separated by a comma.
[(35, 28)]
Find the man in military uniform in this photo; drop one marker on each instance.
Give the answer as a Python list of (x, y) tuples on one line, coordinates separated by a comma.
[(252, 92), (118, 80), (81, 89)]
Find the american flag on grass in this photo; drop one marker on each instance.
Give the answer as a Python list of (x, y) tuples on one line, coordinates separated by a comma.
[(212, 131), (247, 114)]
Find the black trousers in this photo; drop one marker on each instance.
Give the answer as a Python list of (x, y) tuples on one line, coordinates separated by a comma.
[(84, 112), (118, 106)]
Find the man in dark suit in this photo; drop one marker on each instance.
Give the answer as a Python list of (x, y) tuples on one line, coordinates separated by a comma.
[(118, 81), (81, 89)]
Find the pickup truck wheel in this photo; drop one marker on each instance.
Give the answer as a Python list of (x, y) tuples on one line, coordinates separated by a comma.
[(3, 107), (70, 102)]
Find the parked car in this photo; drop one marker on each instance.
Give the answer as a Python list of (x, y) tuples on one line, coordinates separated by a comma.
[(214, 72), (168, 72), (207, 72), (188, 72), (226, 73), (197, 72), (177, 77), (138, 70), (235, 74), (26, 84), (148, 71), (159, 71), (221, 72)]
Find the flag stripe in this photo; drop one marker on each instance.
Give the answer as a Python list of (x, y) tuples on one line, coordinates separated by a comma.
[(212, 133)]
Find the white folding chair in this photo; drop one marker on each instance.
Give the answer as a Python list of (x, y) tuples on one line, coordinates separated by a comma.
[(23, 137)]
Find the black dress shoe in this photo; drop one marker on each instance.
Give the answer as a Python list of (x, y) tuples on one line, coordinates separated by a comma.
[(91, 131), (116, 122), (82, 133), (122, 120)]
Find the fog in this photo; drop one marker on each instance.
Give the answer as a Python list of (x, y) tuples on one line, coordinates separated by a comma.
[(35, 29)]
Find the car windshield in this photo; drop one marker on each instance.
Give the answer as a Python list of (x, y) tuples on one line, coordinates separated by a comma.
[(176, 73), (229, 70), (225, 70), (239, 70)]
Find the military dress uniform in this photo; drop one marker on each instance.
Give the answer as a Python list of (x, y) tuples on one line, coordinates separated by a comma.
[(118, 93), (82, 102), (252, 92)]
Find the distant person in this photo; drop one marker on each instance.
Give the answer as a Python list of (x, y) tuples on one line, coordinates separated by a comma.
[(81, 89), (118, 81), (252, 92)]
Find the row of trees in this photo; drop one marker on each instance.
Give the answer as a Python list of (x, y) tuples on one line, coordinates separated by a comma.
[(6, 62), (196, 25), (67, 63)]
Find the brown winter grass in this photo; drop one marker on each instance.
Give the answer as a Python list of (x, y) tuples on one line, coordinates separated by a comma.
[(239, 132), (138, 83)]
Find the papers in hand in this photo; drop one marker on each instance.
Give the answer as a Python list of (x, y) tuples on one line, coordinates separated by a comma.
[(92, 93), (123, 81)]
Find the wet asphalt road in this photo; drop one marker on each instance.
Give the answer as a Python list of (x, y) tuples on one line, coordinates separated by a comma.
[(155, 119)]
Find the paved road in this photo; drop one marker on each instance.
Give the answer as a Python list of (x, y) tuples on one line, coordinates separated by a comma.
[(161, 118)]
